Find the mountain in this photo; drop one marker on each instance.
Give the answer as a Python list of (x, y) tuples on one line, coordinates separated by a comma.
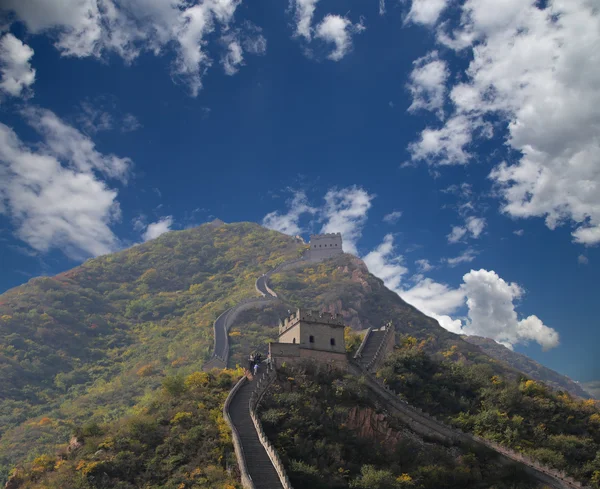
[(95, 344), (528, 366), (593, 388)]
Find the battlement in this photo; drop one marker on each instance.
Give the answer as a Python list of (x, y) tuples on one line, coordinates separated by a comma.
[(325, 245), (310, 316)]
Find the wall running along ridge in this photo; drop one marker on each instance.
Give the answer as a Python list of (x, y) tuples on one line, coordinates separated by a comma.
[(418, 420)]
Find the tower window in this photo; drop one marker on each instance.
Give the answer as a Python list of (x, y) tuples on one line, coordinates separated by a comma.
[(332, 341), (311, 339), (294, 340)]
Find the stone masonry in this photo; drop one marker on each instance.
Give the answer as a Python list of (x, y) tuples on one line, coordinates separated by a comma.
[(325, 246)]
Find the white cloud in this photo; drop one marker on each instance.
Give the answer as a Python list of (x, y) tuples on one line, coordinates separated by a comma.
[(519, 232), (457, 234), (345, 211), (338, 30), (381, 7), (51, 191), (233, 58), (424, 265), (68, 144), (289, 223), (466, 257), (473, 228), (448, 144), (382, 263), (536, 68), (83, 28), (155, 229), (304, 12), (492, 314), (392, 217), (583, 260), (427, 84), (15, 67), (426, 12), (236, 42)]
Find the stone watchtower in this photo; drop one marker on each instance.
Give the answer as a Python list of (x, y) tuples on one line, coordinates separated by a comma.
[(310, 335), (325, 245)]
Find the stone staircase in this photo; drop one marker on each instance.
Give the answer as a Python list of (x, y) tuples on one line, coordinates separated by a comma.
[(259, 464)]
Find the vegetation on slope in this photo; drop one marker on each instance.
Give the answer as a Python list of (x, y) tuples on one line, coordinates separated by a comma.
[(308, 415), (87, 344), (525, 415), (175, 439), (528, 366)]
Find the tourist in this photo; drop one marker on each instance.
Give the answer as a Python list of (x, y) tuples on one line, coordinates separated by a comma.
[(255, 368)]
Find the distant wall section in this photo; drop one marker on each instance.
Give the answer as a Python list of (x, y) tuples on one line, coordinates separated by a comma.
[(325, 246)]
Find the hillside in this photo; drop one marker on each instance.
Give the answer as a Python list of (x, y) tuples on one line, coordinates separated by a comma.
[(528, 366), (88, 344), (593, 388), (95, 344)]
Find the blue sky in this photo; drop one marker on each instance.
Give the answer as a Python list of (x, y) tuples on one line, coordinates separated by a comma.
[(454, 144)]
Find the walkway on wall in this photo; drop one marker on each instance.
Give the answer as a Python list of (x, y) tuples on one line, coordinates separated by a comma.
[(259, 465), (373, 340)]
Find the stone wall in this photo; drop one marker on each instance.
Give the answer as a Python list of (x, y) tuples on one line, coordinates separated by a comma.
[(325, 245), (291, 354)]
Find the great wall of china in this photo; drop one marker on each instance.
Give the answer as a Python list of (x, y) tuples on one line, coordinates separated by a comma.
[(258, 461)]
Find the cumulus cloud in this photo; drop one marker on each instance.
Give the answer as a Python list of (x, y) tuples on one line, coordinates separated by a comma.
[(519, 232), (16, 72), (345, 211), (524, 54), (382, 263), (426, 12), (492, 314), (392, 217), (427, 84), (83, 28), (52, 191), (338, 30), (155, 229), (289, 223)]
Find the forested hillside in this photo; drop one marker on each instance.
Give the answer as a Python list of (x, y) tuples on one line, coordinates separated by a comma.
[(87, 344), (528, 366), (104, 349)]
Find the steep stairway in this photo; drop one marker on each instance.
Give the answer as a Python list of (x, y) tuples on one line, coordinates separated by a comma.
[(371, 346), (259, 465)]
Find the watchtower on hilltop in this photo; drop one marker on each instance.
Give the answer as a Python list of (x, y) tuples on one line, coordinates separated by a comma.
[(325, 245), (308, 334)]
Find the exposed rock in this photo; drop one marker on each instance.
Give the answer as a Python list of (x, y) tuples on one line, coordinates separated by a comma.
[(369, 424)]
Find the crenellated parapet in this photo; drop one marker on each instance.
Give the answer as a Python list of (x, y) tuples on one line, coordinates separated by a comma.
[(310, 316)]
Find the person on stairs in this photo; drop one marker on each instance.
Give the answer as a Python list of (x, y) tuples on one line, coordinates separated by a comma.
[(255, 368)]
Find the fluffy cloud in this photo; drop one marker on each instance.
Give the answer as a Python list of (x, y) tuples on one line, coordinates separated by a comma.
[(424, 265), (84, 28), (155, 229), (303, 15), (338, 30), (427, 84), (236, 42), (473, 228), (583, 260), (426, 12), (525, 54), (15, 67), (382, 263), (492, 312), (334, 29), (345, 211), (392, 217), (52, 192), (289, 223)]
